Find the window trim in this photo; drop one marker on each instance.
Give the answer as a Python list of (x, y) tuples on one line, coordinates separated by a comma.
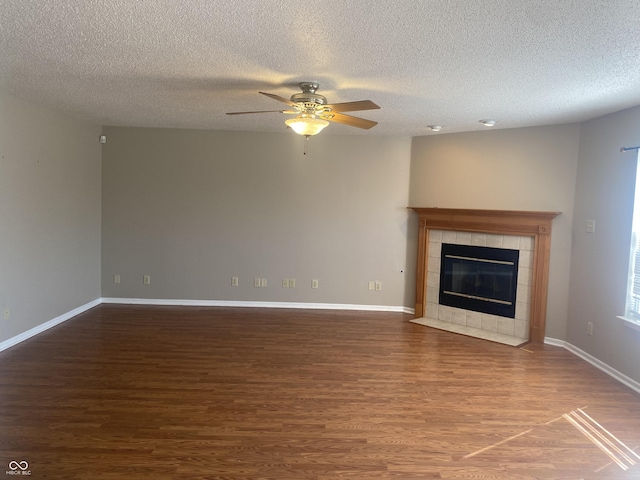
[(629, 322), (631, 317)]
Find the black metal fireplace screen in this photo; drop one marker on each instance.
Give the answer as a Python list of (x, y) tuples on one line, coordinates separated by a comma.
[(482, 279)]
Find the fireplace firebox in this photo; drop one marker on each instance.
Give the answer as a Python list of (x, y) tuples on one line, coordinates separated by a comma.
[(481, 279)]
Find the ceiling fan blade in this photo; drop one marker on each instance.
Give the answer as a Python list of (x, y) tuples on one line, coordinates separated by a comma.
[(264, 111), (349, 120), (279, 98), (352, 106)]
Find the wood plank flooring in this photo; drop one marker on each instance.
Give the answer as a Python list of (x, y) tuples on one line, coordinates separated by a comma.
[(218, 393)]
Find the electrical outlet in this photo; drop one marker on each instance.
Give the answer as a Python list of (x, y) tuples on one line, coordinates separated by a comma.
[(589, 328), (234, 281), (7, 313), (263, 282), (146, 279), (372, 285), (314, 283), (285, 283), (378, 286), (256, 282), (292, 283), (116, 279)]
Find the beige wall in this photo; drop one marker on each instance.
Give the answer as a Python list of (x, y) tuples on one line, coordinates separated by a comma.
[(193, 208), (49, 215), (517, 169), (604, 193)]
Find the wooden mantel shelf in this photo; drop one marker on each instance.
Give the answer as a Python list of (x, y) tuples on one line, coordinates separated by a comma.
[(501, 222)]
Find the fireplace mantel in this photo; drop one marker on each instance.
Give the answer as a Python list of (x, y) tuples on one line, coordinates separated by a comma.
[(505, 222)]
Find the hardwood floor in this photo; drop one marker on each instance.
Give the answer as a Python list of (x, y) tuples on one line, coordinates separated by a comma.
[(218, 393)]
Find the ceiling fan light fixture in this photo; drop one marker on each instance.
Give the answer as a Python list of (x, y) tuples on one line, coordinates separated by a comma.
[(314, 113), (305, 125)]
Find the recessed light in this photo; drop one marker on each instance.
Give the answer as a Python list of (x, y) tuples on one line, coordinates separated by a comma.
[(488, 122), (434, 128)]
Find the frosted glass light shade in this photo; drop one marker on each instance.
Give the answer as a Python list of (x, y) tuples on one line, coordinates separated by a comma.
[(306, 125)]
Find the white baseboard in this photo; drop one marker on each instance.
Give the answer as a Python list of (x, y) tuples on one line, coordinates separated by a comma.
[(599, 364), (554, 342), (47, 325), (251, 304)]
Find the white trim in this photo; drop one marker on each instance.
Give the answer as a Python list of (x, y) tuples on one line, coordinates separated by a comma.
[(599, 364), (555, 342), (251, 304), (47, 325), (629, 322)]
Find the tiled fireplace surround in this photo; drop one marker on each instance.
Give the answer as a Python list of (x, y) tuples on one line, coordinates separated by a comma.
[(528, 232), (482, 325)]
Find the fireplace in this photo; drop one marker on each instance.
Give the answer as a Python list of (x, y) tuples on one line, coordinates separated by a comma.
[(533, 225), (481, 279)]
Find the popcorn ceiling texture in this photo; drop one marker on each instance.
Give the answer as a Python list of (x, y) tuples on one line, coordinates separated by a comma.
[(184, 64)]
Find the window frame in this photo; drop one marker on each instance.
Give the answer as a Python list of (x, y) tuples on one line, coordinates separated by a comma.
[(631, 315)]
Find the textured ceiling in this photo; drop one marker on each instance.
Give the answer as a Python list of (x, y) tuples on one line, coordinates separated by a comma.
[(170, 63)]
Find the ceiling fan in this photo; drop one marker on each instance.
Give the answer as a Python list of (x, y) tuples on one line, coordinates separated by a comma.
[(313, 113)]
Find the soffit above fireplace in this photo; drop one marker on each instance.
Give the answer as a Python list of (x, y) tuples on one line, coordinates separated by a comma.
[(506, 222)]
